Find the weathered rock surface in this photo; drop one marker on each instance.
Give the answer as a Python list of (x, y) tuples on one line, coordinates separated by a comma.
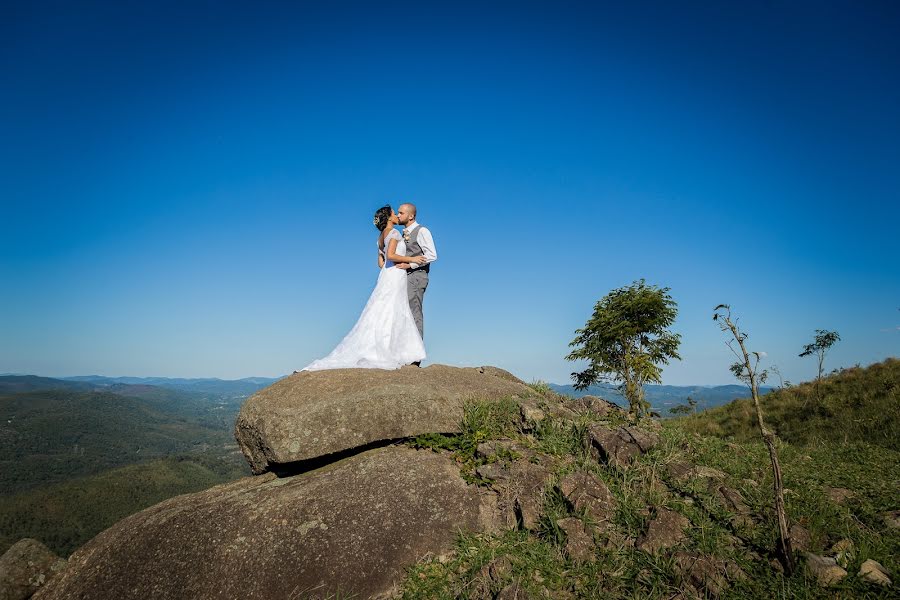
[(25, 567), (709, 575), (579, 543), (621, 445), (873, 572), (598, 406), (520, 486), (664, 531), (687, 472), (349, 528), (312, 414), (825, 569), (892, 519), (800, 537), (585, 491), (733, 501)]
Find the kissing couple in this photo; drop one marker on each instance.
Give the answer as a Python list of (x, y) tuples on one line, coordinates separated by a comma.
[(389, 331)]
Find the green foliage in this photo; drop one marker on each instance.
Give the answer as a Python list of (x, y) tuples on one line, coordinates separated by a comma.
[(536, 561), (626, 340), (685, 409), (808, 472), (857, 405), (51, 436), (541, 387), (66, 515), (482, 420), (822, 342)]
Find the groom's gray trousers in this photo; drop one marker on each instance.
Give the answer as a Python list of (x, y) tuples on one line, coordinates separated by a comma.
[(416, 282)]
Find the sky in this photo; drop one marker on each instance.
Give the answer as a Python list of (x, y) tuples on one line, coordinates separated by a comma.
[(187, 188)]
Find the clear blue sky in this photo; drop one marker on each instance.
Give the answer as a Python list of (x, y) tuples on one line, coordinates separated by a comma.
[(187, 188)]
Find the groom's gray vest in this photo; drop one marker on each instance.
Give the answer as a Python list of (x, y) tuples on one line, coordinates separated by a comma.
[(416, 280), (414, 249)]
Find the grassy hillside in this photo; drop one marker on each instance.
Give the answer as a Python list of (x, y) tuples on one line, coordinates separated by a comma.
[(738, 547), (853, 405), (66, 515)]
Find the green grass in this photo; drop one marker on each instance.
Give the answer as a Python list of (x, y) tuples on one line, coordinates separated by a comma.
[(482, 421), (853, 405), (828, 457), (66, 515)]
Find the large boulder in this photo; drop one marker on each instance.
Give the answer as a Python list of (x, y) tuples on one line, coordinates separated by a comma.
[(313, 414), (348, 529), (25, 567)]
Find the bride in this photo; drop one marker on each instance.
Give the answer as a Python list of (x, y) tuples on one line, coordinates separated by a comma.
[(385, 336)]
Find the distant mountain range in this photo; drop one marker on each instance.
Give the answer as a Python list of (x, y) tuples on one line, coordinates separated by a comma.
[(237, 387), (54, 429), (661, 397), (664, 397)]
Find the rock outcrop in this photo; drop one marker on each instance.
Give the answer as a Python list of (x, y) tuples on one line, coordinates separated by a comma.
[(350, 528), (312, 414), (665, 530), (25, 568), (620, 446)]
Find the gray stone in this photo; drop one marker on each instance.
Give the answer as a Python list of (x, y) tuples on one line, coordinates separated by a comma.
[(579, 543), (800, 537), (825, 569), (531, 413), (351, 528), (873, 572), (706, 573), (664, 531), (685, 471), (520, 487), (620, 446), (313, 414), (26, 567), (733, 502), (492, 447), (597, 406), (587, 492)]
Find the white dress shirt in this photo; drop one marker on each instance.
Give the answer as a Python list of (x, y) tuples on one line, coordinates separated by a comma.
[(424, 240)]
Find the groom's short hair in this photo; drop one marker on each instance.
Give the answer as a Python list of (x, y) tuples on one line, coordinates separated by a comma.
[(410, 207)]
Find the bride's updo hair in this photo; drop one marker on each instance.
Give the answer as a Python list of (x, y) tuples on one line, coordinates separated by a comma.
[(382, 216)]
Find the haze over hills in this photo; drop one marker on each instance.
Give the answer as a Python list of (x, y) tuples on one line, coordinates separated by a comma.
[(77, 455), (664, 397), (52, 430), (208, 385)]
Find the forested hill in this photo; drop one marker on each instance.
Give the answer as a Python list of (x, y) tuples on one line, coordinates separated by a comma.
[(664, 397), (57, 429)]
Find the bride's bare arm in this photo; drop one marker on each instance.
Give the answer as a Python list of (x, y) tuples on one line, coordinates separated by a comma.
[(397, 258)]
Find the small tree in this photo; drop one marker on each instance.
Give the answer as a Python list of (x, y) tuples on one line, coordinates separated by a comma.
[(626, 340), (784, 384), (685, 409), (746, 369), (823, 341)]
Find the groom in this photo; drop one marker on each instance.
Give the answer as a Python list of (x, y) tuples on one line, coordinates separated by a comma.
[(418, 243)]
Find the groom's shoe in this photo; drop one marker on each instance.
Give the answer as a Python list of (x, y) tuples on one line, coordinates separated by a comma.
[(418, 363)]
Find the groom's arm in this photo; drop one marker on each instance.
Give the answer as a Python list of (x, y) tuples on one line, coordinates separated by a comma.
[(427, 243)]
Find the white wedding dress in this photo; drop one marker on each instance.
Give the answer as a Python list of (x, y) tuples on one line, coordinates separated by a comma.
[(385, 336)]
